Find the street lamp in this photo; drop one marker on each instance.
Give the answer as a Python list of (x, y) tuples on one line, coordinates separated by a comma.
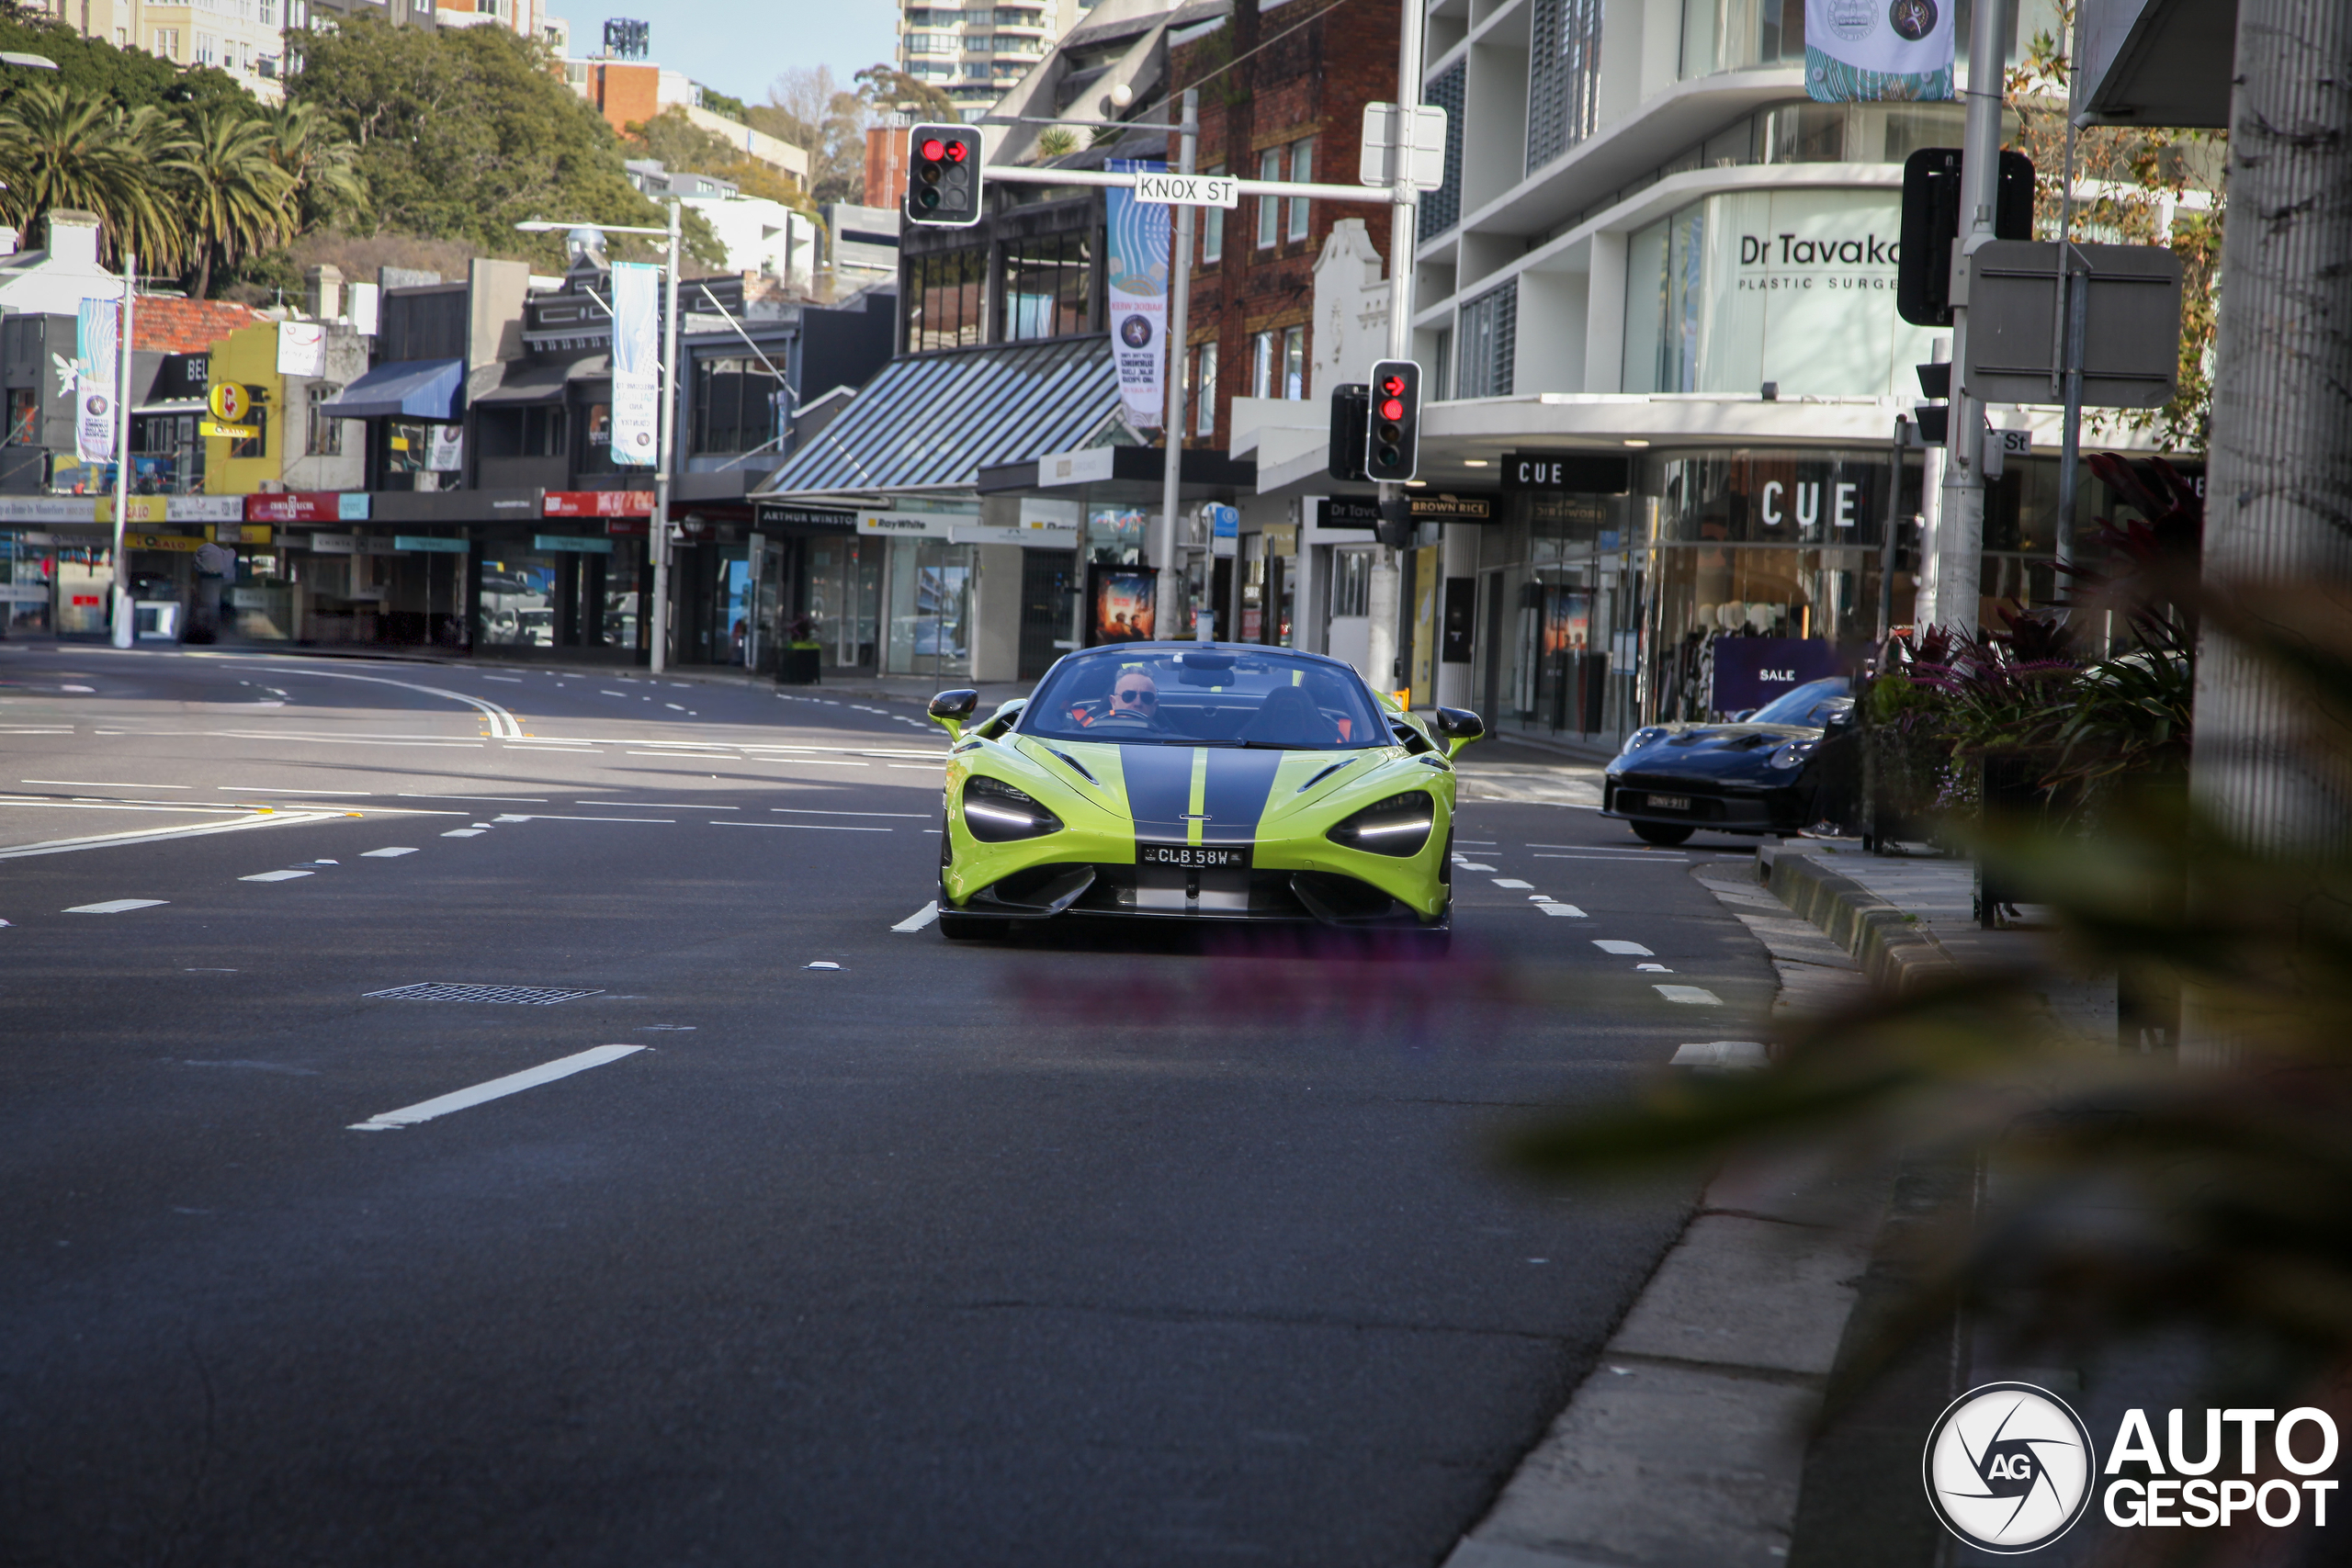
[(657, 532)]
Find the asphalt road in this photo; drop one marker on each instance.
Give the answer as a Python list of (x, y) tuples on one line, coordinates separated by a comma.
[(1092, 1247)]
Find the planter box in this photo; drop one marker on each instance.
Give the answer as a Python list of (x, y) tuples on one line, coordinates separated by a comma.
[(799, 666)]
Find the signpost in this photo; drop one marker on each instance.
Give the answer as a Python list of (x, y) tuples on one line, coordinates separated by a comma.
[(1188, 190)]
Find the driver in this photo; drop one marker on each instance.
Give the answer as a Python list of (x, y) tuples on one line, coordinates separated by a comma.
[(1134, 699)]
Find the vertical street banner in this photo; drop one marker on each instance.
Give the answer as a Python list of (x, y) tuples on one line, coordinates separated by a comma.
[(637, 364), (1139, 241), (93, 381), (1877, 50)]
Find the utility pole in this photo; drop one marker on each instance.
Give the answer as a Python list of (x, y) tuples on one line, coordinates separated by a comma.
[(1960, 523), (1170, 586), (1387, 611), (658, 541), (125, 626)]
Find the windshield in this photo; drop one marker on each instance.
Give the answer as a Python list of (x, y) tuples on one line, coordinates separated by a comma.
[(1811, 704), (1204, 696)]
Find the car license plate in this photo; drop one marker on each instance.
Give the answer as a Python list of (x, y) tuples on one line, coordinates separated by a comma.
[(1667, 802), (1195, 857)]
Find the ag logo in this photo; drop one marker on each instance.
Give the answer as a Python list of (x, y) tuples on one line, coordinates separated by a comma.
[(1136, 333), (2009, 1467)]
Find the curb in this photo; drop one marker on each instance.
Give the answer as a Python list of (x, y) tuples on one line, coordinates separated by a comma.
[(1892, 947)]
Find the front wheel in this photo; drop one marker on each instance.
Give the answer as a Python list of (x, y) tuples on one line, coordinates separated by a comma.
[(1665, 835)]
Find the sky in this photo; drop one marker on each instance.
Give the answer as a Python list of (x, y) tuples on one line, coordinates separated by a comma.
[(740, 46)]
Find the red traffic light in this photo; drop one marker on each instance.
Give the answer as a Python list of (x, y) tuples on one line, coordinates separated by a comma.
[(1394, 408), (936, 148), (1392, 387), (955, 152)]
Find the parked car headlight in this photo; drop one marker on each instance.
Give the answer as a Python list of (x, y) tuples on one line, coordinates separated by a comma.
[(996, 813), (1792, 754), (1398, 826)]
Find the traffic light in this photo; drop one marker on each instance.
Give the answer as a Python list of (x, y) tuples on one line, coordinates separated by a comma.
[(1392, 449), (1931, 218), (1351, 419), (943, 175), (1934, 418)]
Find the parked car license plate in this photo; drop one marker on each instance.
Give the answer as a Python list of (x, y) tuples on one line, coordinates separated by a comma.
[(1667, 802), (1195, 857)]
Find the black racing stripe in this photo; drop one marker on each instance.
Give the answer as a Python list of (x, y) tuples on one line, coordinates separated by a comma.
[(1159, 786), (1234, 794)]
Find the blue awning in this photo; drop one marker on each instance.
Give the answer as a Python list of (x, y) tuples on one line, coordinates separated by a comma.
[(933, 422), (406, 388)]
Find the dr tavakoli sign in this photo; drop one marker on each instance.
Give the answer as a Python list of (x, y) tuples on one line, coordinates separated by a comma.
[(2010, 1468)]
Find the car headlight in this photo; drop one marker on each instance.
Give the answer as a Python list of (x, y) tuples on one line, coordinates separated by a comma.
[(1398, 826), (1792, 754), (996, 813), (1639, 738)]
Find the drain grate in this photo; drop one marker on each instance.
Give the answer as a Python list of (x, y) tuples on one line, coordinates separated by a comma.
[(521, 996)]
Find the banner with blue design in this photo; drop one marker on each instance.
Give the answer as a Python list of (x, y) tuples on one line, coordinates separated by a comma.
[(1879, 50), (1137, 296)]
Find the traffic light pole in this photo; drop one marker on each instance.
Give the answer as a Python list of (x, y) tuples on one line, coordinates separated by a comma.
[(1960, 522), (659, 532), (1388, 610), (1171, 584)]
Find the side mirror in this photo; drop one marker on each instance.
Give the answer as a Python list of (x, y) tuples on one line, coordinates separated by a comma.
[(952, 708), (1459, 726)]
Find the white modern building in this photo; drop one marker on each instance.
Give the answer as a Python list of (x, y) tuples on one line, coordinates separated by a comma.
[(975, 53)]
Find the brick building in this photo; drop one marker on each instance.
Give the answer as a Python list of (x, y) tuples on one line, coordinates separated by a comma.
[(1293, 112)]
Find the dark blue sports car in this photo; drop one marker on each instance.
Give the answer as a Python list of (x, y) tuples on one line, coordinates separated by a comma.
[(1761, 773)]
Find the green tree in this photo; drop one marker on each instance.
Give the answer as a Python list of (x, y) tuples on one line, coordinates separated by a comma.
[(235, 199), (684, 147), (321, 165), (809, 108), (65, 149), (888, 87)]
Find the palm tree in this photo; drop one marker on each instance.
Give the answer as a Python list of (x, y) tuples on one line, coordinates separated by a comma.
[(77, 152), (235, 199), (321, 162)]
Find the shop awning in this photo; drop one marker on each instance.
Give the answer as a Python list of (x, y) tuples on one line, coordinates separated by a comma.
[(406, 388), (542, 380), (933, 422)]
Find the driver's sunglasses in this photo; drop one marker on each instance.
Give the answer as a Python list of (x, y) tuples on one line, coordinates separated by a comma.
[(1140, 699)]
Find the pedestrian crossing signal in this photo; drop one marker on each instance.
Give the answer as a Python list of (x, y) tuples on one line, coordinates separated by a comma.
[(943, 175)]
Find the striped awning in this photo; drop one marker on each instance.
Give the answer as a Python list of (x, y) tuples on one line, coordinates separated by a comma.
[(933, 421)]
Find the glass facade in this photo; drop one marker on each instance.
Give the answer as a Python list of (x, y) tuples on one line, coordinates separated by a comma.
[(1047, 282), (945, 298), (930, 609)]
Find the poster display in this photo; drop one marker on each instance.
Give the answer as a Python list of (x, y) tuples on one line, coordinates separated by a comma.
[(301, 348), (1137, 299), (94, 379), (637, 364), (1119, 603), (1877, 50)]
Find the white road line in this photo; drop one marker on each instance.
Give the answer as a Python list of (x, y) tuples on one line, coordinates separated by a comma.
[(465, 832), (1624, 860), (801, 762), (1723, 1055), (534, 745), (917, 767), (1605, 850), (1697, 996), (517, 680), (501, 723), (1510, 882), (496, 1089), (919, 918), (1472, 865), (612, 693), (809, 827), (557, 816), (387, 852), (659, 805), (813, 811), (276, 876), (1569, 910), (273, 789), (487, 799), (102, 784), (1624, 949), (679, 706), (117, 905), (102, 840), (689, 756)]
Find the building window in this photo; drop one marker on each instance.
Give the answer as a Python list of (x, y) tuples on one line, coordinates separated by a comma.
[(1441, 208), (1301, 171), (24, 417), (1490, 340), (1563, 76), (1351, 583), (1264, 352), (735, 404), (945, 296), (1213, 230), (931, 43), (1663, 271), (323, 438), (167, 42), (1270, 167), (1733, 35), (1442, 375), (257, 443), (1295, 362), (1204, 389), (1045, 287)]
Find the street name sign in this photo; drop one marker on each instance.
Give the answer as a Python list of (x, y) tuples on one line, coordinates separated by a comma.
[(1188, 190)]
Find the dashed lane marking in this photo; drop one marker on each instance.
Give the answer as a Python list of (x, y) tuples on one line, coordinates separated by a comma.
[(816, 811), (1633, 859), (102, 784), (1510, 881), (810, 826), (1472, 865), (1570, 910), (1697, 996), (388, 852), (496, 1089), (919, 918), (485, 799), (558, 816), (1624, 949), (118, 906), (276, 876), (465, 832)]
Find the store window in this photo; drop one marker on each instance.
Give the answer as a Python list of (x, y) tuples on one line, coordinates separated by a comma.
[(944, 292), (930, 608), (1045, 287), (736, 399), (24, 417), (1350, 585)]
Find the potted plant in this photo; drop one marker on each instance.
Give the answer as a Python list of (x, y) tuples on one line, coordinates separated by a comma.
[(800, 660)]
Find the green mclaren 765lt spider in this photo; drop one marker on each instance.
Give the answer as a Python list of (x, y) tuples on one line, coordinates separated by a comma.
[(1200, 782)]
